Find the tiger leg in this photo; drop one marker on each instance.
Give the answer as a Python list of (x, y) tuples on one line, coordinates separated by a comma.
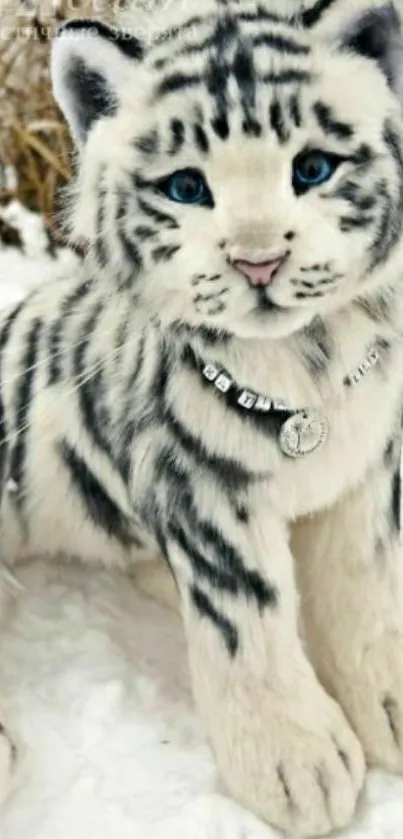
[(351, 571), (282, 744)]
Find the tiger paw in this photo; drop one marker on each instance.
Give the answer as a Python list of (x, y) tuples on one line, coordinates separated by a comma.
[(294, 762), (372, 697)]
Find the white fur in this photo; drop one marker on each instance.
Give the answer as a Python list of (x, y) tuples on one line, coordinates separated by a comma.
[(286, 748)]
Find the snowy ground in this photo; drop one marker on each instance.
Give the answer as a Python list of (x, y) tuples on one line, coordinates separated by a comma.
[(97, 681)]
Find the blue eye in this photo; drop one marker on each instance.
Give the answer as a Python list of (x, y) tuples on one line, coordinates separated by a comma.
[(313, 168), (187, 186)]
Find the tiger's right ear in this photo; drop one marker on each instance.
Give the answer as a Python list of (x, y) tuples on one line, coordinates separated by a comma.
[(90, 63)]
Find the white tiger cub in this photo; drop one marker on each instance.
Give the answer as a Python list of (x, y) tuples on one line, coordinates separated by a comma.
[(225, 380)]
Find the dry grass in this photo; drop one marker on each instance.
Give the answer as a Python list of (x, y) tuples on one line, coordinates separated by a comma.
[(34, 139)]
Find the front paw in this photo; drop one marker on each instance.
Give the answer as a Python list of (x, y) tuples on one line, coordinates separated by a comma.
[(294, 762), (372, 697)]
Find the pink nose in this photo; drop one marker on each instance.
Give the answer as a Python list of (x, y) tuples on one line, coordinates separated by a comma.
[(259, 273)]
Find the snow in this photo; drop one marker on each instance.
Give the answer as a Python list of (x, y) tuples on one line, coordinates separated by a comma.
[(94, 681)]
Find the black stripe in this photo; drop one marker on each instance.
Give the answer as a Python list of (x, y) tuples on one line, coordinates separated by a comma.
[(57, 329), (329, 123), (157, 215), (208, 335), (128, 423), (363, 157), (245, 76), (152, 409), (317, 347), (4, 338), (178, 135), (290, 76), (144, 233), (304, 295), (226, 628), (281, 44), (310, 17), (178, 82), (391, 225), (89, 391), (217, 79), (218, 579), (3, 447), (218, 73), (93, 418), (201, 139), (188, 49), (377, 307), (295, 110), (86, 330), (129, 246), (99, 506), (352, 192), (396, 499), (23, 404), (149, 144), (350, 223), (134, 375), (260, 15), (291, 804), (164, 253), (277, 122), (390, 453), (131, 253), (129, 46), (229, 472), (172, 34), (243, 70), (220, 126), (101, 248), (8, 324), (229, 571), (392, 712), (250, 582)]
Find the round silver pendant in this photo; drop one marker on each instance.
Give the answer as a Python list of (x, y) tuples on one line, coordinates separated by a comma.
[(303, 433)]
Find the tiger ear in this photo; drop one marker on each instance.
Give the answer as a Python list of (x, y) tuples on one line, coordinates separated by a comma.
[(90, 63), (377, 35), (372, 30)]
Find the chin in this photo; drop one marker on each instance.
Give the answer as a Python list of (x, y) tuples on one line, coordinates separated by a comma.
[(270, 324)]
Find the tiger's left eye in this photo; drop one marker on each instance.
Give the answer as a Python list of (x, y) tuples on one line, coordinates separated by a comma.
[(313, 168)]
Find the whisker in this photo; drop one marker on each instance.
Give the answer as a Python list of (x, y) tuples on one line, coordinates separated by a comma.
[(80, 381), (66, 351)]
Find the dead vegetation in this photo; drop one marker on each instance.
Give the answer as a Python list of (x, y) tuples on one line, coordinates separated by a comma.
[(35, 146)]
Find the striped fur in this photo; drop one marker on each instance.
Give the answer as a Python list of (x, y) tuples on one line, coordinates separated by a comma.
[(114, 448)]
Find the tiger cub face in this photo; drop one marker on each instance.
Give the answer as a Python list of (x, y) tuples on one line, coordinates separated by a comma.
[(242, 170)]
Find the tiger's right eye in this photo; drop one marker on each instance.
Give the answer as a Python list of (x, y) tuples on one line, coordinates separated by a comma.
[(187, 186)]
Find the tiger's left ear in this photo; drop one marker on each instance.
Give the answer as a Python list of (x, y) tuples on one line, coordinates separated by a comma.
[(372, 30), (91, 63)]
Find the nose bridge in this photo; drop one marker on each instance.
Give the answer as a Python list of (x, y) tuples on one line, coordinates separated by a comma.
[(253, 206), (260, 231), (258, 216)]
